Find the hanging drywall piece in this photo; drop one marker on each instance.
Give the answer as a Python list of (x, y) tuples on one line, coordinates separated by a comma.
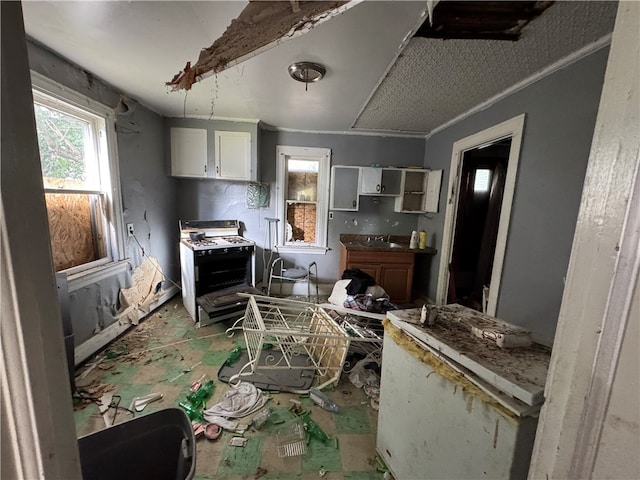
[(260, 26)]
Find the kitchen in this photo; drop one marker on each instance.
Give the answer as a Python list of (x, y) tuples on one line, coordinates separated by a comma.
[(154, 202)]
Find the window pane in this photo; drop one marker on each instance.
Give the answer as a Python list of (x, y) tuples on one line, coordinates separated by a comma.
[(301, 218), (74, 239), (302, 181), (67, 153), (483, 177)]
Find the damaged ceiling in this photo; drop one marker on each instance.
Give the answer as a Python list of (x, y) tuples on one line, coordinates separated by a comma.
[(386, 73)]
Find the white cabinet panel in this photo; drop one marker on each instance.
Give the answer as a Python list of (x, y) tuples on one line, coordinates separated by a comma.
[(344, 188), (189, 152), (380, 181), (233, 155)]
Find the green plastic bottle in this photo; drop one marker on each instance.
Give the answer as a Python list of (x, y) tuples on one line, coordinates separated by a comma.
[(313, 429), (192, 413), (201, 395), (233, 356)]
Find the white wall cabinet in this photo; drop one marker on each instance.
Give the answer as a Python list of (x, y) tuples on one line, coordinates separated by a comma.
[(416, 190), (420, 191), (233, 156), (380, 181), (189, 152), (344, 188)]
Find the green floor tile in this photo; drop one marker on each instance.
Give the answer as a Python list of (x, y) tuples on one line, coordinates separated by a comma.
[(320, 455), (215, 358), (282, 476), (200, 344), (352, 419), (240, 460), (363, 475)]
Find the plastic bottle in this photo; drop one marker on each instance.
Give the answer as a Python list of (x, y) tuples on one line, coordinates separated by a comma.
[(201, 395), (413, 242), (192, 413), (321, 399), (422, 242), (313, 429), (233, 356)]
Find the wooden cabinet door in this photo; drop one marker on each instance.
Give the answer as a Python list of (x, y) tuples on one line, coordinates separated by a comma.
[(397, 281)]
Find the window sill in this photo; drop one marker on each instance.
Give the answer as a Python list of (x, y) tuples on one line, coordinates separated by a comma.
[(79, 280), (307, 250)]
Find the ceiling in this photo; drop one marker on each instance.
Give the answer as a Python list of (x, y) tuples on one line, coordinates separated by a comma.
[(379, 79)]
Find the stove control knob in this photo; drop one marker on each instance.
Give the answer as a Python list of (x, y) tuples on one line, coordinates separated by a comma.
[(226, 250), (210, 252)]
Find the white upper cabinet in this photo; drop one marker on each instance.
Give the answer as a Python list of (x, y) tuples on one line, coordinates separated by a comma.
[(189, 152), (380, 181), (420, 191), (233, 156), (344, 188)]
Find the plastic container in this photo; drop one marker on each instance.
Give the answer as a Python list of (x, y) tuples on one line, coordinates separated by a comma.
[(413, 242), (160, 445), (422, 240), (320, 398)]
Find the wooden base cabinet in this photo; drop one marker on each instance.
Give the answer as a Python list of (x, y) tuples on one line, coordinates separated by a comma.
[(393, 271)]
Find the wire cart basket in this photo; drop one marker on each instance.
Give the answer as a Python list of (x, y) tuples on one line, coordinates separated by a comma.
[(291, 329)]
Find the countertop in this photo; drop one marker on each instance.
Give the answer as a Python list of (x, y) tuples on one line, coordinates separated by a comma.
[(396, 243)]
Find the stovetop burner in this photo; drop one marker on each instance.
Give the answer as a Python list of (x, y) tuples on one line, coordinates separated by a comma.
[(222, 234)]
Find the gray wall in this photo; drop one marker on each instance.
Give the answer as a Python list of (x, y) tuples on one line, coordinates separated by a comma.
[(218, 199), (148, 193), (560, 117)]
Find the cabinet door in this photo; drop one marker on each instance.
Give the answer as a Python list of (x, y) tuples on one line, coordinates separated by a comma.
[(370, 181), (233, 155), (188, 152), (344, 188), (397, 280), (391, 181), (372, 269), (432, 194)]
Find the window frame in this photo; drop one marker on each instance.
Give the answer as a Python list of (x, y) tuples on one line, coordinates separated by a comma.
[(103, 120), (323, 156)]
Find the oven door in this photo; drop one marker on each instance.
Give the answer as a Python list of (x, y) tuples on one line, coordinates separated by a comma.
[(217, 269)]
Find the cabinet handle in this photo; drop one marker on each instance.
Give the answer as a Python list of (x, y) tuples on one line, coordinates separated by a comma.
[(378, 188), (205, 169), (217, 169)]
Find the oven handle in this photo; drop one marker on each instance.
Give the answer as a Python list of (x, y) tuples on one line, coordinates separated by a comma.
[(196, 271)]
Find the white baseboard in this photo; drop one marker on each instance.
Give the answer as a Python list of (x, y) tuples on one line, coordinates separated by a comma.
[(100, 340)]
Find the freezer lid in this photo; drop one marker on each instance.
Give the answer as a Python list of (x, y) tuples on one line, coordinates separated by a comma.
[(517, 372)]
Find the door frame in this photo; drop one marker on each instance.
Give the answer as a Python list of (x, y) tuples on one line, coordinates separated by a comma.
[(510, 128)]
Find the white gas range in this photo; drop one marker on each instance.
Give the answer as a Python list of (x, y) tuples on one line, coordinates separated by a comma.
[(214, 267)]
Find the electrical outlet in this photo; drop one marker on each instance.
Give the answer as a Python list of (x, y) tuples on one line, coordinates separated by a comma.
[(130, 229)]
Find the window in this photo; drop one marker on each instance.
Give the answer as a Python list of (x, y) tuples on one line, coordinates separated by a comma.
[(303, 195), (80, 177), (482, 180)]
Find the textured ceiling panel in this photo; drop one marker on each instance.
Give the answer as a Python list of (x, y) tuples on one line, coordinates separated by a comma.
[(435, 81)]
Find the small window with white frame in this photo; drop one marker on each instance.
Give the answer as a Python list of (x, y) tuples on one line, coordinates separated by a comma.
[(303, 196), (80, 177)]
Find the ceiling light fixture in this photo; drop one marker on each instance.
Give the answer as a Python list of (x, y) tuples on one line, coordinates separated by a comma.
[(307, 72)]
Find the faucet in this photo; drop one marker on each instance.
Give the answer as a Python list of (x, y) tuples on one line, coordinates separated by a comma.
[(380, 238)]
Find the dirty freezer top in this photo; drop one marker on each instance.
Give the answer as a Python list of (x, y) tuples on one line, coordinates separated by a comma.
[(519, 372)]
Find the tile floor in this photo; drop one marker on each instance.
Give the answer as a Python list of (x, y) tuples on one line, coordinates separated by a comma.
[(166, 354)]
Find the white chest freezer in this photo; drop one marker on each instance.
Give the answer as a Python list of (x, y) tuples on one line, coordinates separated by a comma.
[(442, 417)]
